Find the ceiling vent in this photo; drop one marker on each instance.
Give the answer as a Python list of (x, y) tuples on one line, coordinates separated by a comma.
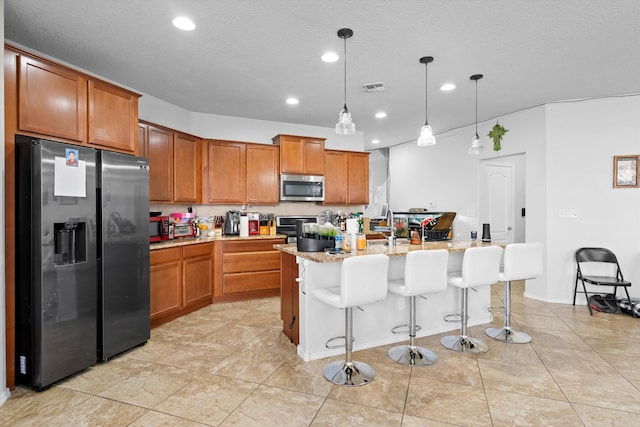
[(374, 87)]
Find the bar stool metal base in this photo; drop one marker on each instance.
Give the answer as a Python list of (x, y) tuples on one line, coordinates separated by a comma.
[(462, 344), (351, 374), (508, 335), (416, 356)]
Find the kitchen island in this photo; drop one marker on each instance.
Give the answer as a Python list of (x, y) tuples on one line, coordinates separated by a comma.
[(318, 322)]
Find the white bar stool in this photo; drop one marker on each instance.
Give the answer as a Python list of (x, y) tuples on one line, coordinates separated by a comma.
[(480, 267), (521, 261), (425, 272), (363, 280)]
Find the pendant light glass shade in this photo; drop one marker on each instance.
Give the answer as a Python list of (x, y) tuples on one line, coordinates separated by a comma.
[(476, 145), (345, 125), (426, 138)]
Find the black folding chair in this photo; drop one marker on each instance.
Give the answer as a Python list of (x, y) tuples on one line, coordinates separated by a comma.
[(586, 258)]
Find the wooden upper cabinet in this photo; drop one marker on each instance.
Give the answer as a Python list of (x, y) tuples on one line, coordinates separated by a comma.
[(223, 172), (186, 168), (300, 154), (358, 178), (313, 156), (347, 178), (52, 100), (113, 117), (336, 163), (57, 101), (160, 142), (262, 178), (143, 140)]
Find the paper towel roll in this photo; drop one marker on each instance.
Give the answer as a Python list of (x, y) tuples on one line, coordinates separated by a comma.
[(244, 226), (352, 225)]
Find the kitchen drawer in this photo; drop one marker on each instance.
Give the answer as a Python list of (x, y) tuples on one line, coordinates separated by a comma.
[(247, 282), (160, 256), (201, 249), (250, 245), (250, 261)]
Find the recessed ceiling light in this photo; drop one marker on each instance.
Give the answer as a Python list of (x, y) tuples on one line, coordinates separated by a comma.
[(330, 57), (375, 141), (381, 115), (292, 101), (447, 87), (184, 23)]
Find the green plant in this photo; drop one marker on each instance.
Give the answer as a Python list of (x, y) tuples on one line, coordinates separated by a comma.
[(497, 133)]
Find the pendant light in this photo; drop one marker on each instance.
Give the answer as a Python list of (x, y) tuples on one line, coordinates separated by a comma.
[(476, 145), (426, 138), (345, 126)]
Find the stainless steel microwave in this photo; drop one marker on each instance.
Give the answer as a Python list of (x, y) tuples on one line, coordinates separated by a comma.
[(302, 188)]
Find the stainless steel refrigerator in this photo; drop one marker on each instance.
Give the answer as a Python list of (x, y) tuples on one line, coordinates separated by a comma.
[(123, 253), (82, 258)]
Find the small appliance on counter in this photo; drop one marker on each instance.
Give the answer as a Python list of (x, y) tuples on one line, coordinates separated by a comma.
[(158, 228), (184, 229), (311, 239), (232, 222), (286, 224), (254, 223)]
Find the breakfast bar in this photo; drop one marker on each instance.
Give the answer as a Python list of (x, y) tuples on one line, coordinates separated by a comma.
[(319, 322)]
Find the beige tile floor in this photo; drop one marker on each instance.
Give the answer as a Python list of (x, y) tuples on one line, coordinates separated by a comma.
[(229, 364)]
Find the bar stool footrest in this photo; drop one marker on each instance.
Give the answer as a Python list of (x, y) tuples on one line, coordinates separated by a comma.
[(406, 330), (333, 346), (496, 309), (453, 318)]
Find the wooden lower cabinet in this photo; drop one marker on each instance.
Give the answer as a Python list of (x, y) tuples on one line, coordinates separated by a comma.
[(197, 263), (180, 281), (186, 278), (289, 297), (165, 282), (248, 269)]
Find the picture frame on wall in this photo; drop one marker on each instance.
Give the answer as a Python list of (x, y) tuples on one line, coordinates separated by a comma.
[(625, 171)]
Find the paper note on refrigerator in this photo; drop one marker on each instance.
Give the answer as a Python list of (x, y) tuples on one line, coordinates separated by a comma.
[(69, 181)]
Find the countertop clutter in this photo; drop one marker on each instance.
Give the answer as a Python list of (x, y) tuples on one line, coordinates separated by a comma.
[(203, 239), (401, 248)]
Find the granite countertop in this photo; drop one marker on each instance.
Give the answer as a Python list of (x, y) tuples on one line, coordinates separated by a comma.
[(183, 241), (401, 248)]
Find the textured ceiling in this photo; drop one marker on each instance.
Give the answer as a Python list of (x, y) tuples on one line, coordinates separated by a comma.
[(247, 56)]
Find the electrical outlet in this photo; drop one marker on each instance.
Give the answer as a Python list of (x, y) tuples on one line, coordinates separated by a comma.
[(431, 206)]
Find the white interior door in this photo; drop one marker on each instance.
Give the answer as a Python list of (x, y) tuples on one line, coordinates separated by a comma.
[(496, 200)]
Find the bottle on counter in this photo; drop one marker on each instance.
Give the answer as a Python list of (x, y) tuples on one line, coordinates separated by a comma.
[(338, 240), (346, 242)]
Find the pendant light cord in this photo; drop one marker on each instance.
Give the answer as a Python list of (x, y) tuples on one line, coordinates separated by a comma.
[(476, 107), (345, 73), (426, 97)]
